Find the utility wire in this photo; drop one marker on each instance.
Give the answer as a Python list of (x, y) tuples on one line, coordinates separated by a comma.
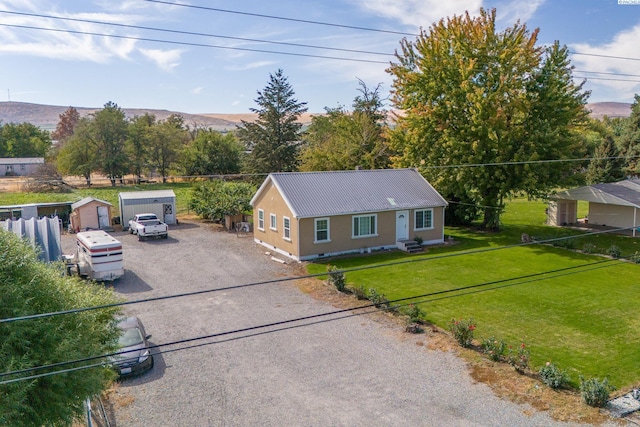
[(192, 44), (308, 276), (304, 21), (533, 277), (137, 27)]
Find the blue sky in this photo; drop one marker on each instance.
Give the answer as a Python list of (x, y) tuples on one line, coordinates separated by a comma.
[(78, 66)]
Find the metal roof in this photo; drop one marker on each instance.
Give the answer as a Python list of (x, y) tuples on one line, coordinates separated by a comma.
[(86, 201), (21, 160), (621, 193), (152, 194), (314, 194)]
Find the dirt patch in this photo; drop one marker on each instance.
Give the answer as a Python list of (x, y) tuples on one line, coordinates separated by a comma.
[(503, 379)]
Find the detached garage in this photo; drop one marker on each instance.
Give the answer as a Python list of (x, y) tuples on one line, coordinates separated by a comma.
[(160, 202), (615, 204), (90, 213)]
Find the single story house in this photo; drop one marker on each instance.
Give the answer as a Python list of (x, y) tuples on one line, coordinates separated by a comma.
[(614, 204), (160, 202), (90, 213), (308, 215), (19, 166)]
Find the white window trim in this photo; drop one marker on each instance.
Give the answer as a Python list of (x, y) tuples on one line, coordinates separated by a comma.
[(315, 230), (261, 219), (414, 219), (286, 219), (375, 231), (273, 224)]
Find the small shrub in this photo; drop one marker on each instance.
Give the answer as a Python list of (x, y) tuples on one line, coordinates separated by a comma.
[(635, 258), (614, 251), (519, 359), (378, 299), (494, 348), (589, 248), (595, 392), (360, 292), (565, 243), (336, 278), (418, 240), (553, 377), (462, 331), (416, 314)]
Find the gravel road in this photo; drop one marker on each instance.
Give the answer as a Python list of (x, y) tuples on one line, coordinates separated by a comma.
[(349, 372)]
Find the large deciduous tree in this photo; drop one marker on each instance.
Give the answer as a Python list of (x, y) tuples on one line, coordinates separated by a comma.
[(29, 286), (23, 140), (211, 153), (109, 134), (167, 140), (274, 137), (138, 141), (215, 199), (78, 155), (341, 140), (483, 111)]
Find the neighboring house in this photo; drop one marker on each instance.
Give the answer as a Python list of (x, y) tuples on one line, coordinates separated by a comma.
[(19, 166), (307, 215), (90, 213), (160, 202), (615, 204)]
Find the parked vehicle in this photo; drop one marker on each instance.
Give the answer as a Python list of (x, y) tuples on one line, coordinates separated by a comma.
[(148, 225), (98, 256), (134, 355)]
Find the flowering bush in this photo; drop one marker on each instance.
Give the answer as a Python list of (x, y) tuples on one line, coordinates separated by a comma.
[(519, 359), (494, 348), (552, 376), (462, 331)]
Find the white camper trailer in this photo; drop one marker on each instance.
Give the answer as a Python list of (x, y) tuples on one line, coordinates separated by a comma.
[(98, 256)]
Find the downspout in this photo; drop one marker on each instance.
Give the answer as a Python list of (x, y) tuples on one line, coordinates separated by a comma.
[(635, 210)]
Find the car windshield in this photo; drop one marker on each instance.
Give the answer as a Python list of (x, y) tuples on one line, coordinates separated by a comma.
[(129, 337)]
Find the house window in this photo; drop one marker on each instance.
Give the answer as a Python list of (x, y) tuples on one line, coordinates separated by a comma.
[(260, 219), (321, 230), (364, 226), (273, 222), (286, 224), (424, 219)]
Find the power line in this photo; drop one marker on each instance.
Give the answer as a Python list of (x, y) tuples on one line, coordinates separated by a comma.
[(627, 58), (197, 34), (308, 276), (192, 44), (533, 277), (304, 21)]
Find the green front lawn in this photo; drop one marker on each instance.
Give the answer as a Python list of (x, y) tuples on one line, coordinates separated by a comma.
[(582, 318)]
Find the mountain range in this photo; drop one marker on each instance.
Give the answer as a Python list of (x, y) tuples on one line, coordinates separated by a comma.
[(47, 117)]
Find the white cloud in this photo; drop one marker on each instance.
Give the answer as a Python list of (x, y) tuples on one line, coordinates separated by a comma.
[(511, 11), (420, 13), (165, 59), (623, 45), (250, 66), (197, 90)]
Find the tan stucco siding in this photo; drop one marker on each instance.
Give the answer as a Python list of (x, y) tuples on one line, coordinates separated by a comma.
[(271, 202), (434, 234), (341, 233), (86, 216), (611, 215)]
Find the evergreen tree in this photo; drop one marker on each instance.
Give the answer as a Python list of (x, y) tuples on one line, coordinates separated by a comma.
[(274, 137)]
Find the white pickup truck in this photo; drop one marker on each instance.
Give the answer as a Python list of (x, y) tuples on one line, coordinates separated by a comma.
[(148, 225)]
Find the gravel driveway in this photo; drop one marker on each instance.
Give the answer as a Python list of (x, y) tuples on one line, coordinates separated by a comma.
[(349, 372)]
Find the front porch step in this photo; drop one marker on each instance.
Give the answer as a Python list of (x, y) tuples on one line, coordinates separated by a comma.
[(410, 246)]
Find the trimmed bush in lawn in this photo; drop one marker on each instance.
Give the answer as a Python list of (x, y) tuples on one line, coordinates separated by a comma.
[(552, 376), (595, 392)]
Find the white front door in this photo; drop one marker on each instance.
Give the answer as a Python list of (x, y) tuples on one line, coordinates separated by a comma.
[(402, 225)]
